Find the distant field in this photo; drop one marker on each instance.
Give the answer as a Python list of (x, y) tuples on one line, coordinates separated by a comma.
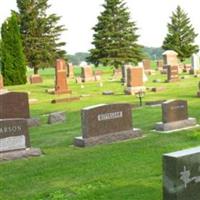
[(130, 170)]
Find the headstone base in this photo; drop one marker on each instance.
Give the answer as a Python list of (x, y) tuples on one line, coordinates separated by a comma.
[(13, 155), (160, 126), (106, 139), (133, 90)]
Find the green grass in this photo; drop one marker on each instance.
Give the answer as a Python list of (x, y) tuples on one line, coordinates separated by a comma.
[(128, 170)]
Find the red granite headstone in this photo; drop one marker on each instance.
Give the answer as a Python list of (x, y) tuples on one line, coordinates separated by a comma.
[(135, 77), (61, 86), (36, 78), (135, 81)]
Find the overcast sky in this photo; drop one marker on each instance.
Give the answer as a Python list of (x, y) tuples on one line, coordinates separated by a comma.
[(79, 16)]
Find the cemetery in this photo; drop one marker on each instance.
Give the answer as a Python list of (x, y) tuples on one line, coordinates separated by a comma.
[(120, 125)]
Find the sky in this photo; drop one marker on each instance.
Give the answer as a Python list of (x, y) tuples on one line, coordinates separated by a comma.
[(79, 16)]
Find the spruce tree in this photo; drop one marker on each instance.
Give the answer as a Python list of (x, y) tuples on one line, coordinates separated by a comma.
[(40, 33), (115, 38), (12, 56), (181, 35)]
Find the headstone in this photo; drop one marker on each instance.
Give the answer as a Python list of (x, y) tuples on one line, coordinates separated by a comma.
[(172, 73), (105, 124), (87, 74), (135, 81), (33, 122), (160, 64), (1, 82), (35, 79), (97, 75), (187, 68), (117, 74), (108, 92), (147, 64), (175, 116), (61, 86), (195, 64), (70, 70), (170, 58), (147, 67), (124, 73), (57, 117), (181, 175), (13, 135), (14, 105)]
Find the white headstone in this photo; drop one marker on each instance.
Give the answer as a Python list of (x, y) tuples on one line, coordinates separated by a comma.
[(195, 62)]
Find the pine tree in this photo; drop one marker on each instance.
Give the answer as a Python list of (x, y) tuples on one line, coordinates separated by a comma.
[(181, 35), (12, 55), (115, 38), (40, 34)]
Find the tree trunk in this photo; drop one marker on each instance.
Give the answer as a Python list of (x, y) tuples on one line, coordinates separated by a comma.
[(36, 70)]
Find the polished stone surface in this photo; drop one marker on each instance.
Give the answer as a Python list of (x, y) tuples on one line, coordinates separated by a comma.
[(102, 121), (174, 110), (181, 175), (61, 86), (14, 105), (13, 135)]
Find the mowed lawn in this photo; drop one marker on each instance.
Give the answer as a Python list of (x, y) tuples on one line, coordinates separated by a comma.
[(128, 170)]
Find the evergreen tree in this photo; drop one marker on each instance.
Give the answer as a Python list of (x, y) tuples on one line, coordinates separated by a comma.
[(12, 55), (40, 33), (115, 37), (181, 35)]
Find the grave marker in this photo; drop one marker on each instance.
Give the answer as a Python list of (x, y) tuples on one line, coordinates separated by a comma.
[(105, 124), (181, 175)]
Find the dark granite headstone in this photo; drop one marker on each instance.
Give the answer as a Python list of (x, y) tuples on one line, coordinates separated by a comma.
[(113, 121), (13, 135), (175, 116), (14, 105), (174, 110), (172, 73), (181, 175)]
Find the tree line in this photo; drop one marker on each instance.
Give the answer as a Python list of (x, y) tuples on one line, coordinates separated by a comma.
[(31, 37)]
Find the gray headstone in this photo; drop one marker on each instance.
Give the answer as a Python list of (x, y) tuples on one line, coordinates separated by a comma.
[(181, 175), (57, 117)]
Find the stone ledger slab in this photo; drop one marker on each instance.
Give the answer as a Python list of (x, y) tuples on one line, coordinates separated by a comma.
[(105, 124), (181, 175), (30, 152)]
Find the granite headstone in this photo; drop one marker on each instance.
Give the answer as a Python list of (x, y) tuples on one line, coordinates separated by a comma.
[(181, 175), (105, 124)]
